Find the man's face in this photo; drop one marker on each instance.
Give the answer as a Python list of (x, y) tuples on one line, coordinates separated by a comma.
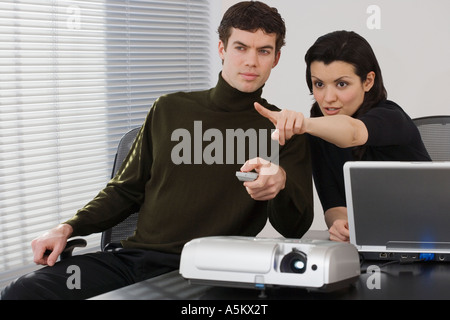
[(248, 59)]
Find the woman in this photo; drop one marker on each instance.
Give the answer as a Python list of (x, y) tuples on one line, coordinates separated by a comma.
[(351, 119)]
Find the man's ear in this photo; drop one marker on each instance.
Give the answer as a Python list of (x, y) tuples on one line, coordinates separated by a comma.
[(221, 49), (369, 82), (277, 59)]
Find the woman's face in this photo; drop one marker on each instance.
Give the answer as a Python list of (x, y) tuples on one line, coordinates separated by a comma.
[(337, 88)]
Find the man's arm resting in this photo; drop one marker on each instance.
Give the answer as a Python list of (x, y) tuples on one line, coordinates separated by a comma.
[(53, 240)]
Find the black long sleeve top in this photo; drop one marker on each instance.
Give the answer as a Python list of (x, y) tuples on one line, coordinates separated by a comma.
[(393, 136)]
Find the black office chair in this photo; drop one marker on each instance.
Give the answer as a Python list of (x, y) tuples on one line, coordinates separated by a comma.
[(435, 132), (125, 228)]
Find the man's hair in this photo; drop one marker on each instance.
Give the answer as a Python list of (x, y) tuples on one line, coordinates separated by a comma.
[(253, 16)]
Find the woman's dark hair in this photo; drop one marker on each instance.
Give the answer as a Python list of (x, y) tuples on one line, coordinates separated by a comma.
[(350, 47), (252, 16)]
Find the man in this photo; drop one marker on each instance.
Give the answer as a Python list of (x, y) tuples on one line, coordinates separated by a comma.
[(184, 186)]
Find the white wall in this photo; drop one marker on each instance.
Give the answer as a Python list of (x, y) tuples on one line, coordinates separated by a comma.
[(412, 44)]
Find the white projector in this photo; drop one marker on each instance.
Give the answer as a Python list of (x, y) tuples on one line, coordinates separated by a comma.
[(317, 265)]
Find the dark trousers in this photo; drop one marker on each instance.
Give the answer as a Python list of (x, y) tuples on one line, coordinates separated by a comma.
[(88, 275)]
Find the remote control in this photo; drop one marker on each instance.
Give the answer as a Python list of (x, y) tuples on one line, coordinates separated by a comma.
[(246, 176)]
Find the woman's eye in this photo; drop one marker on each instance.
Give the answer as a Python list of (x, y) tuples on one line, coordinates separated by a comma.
[(318, 84), (342, 84)]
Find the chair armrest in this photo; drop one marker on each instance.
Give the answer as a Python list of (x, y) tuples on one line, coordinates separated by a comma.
[(72, 244)]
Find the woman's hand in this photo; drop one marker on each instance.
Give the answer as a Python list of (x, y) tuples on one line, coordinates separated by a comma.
[(337, 222), (339, 231), (287, 122)]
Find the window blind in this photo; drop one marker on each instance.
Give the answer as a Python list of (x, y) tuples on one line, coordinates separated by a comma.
[(75, 76)]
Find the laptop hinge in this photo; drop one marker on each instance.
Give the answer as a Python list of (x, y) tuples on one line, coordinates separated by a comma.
[(403, 245)]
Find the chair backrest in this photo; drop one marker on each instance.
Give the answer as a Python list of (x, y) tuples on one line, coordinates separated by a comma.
[(126, 227), (435, 132)]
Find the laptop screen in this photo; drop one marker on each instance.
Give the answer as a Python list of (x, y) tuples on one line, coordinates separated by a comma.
[(399, 204)]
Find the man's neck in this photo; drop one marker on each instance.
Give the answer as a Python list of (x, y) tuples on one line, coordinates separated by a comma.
[(226, 98)]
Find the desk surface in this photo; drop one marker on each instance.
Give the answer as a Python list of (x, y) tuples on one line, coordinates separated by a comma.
[(419, 280)]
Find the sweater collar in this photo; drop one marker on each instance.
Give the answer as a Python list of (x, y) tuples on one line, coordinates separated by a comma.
[(226, 98)]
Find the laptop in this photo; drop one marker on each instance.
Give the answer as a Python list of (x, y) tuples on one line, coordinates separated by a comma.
[(399, 210)]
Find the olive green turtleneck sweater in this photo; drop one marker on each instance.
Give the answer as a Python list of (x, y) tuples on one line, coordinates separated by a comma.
[(192, 197)]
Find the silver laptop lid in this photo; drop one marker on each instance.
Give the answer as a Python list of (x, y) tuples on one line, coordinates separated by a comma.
[(398, 206)]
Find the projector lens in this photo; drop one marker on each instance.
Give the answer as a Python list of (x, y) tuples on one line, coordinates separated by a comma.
[(294, 262), (298, 265)]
